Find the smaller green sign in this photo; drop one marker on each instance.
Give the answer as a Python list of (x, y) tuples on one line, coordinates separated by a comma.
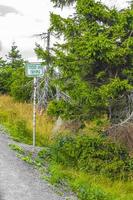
[(34, 69)]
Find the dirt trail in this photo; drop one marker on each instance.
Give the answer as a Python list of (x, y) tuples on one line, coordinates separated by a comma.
[(18, 180)]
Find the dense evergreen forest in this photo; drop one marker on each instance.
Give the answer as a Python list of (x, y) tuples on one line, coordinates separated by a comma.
[(94, 61), (88, 83), (91, 63)]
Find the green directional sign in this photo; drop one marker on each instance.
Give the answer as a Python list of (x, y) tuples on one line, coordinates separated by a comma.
[(34, 69)]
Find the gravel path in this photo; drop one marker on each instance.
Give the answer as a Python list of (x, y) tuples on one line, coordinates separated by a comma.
[(18, 180)]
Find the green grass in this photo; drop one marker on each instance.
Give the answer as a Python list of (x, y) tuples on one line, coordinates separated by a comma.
[(89, 186), (69, 161), (17, 148), (69, 158)]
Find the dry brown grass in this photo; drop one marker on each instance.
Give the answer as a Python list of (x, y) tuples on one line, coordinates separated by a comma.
[(122, 134), (13, 111)]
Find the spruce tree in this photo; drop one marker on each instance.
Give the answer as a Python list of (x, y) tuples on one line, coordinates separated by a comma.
[(95, 60), (14, 58)]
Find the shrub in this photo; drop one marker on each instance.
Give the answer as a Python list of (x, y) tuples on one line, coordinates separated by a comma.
[(5, 79), (21, 87), (17, 148), (92, 154)]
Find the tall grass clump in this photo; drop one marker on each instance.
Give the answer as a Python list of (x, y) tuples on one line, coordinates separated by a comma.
[(17, 118)]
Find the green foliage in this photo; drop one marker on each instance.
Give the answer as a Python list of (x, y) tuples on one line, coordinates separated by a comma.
[(17, 148), (57, 176), (114, 89), (2, 62), (129, 74), (94, 61), (13, 80), (21, 87), (92, 154), (5, 79), (59, 108), (28, 159), (90, 192), (14, 57), (44, 153), (84, 188)]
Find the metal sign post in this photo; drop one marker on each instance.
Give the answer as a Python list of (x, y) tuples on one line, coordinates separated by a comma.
[(34, 111), (34, 70)]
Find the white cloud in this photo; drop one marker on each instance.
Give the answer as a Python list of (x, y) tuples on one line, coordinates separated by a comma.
[(7, 9), (120, 4), (34, 19)]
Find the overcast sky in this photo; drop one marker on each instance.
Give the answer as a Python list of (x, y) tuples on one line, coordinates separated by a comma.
[(20, 19)]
